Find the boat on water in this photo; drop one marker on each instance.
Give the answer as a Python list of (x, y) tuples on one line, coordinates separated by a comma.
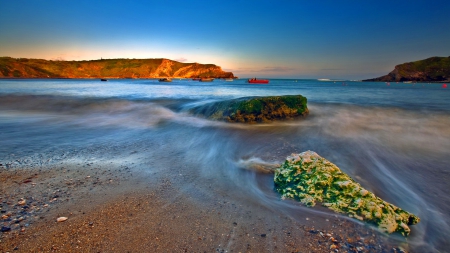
[(407, 82), (103, 80), (254, 80), (206, 79), (165, 80), (229, 79), (196, 79)]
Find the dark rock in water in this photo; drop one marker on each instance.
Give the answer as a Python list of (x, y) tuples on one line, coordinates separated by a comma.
[(255, 109)]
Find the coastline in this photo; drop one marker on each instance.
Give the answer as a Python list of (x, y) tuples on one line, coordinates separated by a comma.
[(189, 78), (115, 209)]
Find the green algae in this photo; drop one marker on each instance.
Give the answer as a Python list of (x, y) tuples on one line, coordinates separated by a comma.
[(310, 178), (256, 109)]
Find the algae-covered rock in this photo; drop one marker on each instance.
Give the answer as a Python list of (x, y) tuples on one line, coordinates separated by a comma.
[(255, 109), (309, 177)]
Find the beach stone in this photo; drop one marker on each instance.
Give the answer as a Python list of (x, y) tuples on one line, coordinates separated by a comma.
[(5, 229), (311, 178), (61, 219), (255, 109)]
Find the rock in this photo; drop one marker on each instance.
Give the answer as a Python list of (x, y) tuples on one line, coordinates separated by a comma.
[(5, 229), (255, 109), (21, 202), (61, 219), (308, 178)]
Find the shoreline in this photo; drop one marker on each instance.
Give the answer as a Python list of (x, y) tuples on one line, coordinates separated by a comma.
[(117, 210), (189, 78)]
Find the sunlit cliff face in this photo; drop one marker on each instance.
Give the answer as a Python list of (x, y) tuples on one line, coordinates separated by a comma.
[(108, 68)]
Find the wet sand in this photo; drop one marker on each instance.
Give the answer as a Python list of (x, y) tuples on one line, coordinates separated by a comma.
[(116, 209)]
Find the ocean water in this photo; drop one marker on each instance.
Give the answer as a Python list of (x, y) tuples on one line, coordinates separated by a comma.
[(394, 139)]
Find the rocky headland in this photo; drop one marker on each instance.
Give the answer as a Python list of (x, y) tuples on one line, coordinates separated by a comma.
[(434, 69), (107, 68), (255, 109)]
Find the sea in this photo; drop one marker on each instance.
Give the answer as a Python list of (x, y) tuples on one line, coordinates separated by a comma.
[(392, 138)]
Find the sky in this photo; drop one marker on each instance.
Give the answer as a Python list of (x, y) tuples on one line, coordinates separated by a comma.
[(336, 39)]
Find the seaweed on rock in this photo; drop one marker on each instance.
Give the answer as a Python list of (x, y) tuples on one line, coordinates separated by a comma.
[(309, 177), (255, 109)]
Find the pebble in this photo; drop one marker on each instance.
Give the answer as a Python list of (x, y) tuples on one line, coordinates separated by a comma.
[(22, 202), (61, 219), (5, 229)]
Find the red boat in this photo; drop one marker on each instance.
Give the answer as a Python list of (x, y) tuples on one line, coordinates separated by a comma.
[(254, 80)]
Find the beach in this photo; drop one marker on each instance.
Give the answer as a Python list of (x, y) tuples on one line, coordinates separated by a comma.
[(110, 210), (134, 170)]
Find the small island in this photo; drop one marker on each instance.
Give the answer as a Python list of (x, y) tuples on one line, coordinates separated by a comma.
[(107, 69), (434, 69)]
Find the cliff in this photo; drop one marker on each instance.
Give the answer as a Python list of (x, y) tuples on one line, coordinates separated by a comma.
[(108, 68), (434, 69)]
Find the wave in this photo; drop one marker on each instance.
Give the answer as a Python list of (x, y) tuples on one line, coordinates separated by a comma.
[(400, 155)]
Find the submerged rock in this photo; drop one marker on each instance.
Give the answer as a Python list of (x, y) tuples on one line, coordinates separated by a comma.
[(309, 177), (255, 109)]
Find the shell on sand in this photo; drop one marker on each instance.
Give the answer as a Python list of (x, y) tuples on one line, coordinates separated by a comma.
[(61, 219)]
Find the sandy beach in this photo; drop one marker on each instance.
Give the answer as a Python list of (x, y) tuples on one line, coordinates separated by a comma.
[(112, 209)]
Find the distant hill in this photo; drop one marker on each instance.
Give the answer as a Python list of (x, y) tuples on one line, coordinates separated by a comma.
[(434, 69), (108, 68)]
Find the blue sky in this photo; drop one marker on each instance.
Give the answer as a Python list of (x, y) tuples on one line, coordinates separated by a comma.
[(284, 38)]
